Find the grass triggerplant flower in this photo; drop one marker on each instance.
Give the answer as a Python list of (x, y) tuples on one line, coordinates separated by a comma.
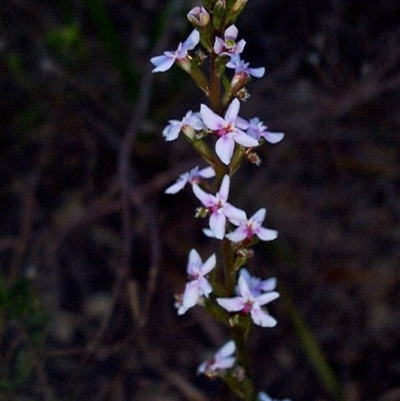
[(227, 129), (166, 61), (228, 45), (219, 208), (222, 360), (247, 228), (198, 285), (248, 303), (194, 176)]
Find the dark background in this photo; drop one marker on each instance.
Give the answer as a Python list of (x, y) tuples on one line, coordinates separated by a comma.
[(92, 251)]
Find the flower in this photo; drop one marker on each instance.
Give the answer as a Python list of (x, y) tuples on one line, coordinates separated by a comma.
[(227, 129), (256, 285), (249, 227), (248, 303), (222, 360), (199, 16), (190, 122), (218, 207), (241, 66), (264, 397), (198, 285), (165, 61), (193, 177), (256, 129), (228, 45)]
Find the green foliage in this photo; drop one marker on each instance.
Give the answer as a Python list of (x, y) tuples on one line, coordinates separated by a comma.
[(67, 43), (117, 53), (23, 331)]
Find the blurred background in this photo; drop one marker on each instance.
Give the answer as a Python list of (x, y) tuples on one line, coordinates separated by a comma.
[(92, 251)]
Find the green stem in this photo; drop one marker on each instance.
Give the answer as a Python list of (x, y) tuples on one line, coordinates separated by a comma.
[(215, 85), (229, 272), (239, 335)]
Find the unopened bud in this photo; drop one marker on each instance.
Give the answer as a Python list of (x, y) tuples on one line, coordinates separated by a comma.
[(201, 212), (218, 13), (185, 63), (199, 17), (239, 80), (238, 6), (189, 131)]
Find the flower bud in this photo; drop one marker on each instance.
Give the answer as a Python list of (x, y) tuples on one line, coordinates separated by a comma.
[(189, 131), (239, 80), (238, 6), (199, 17), (219, 13), (201, 212)]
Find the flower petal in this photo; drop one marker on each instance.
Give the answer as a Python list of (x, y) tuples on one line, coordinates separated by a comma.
[(262, 318), (231, 32), (205, 198), (244, 289), (208, 265), (194, 262), (162, 63), (217, 225), (231, 304), (259, 216), (266, 234), (273, 137), (267, 297), (232, 111), (207, 172), (226, 350), (237, 235), (224, 148), (172, 130), (245, 140), (268, 285), (174, 188), (192, 40), (224, 189), (233, 213), (210, 119), (191, 295)]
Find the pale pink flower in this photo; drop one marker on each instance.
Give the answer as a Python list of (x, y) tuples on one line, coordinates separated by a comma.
[(194, 176), (256, 285), (198, 285), (191, 122), (256, 129), (219, 208), (227, 129), (165, 61), (248, 303), (199, 16), (247, 228), (228, 45), (222, 360), (241, 66)]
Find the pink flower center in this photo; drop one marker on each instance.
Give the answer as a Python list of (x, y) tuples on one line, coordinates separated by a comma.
[(247, 307)]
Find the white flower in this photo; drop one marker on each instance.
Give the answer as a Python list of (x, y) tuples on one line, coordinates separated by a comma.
[(193, 176), (198, 285), (222, 360), (165, 61), (248, 303)]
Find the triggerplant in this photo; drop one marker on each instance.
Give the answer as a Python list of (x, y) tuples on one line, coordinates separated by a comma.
[(224, 287)]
